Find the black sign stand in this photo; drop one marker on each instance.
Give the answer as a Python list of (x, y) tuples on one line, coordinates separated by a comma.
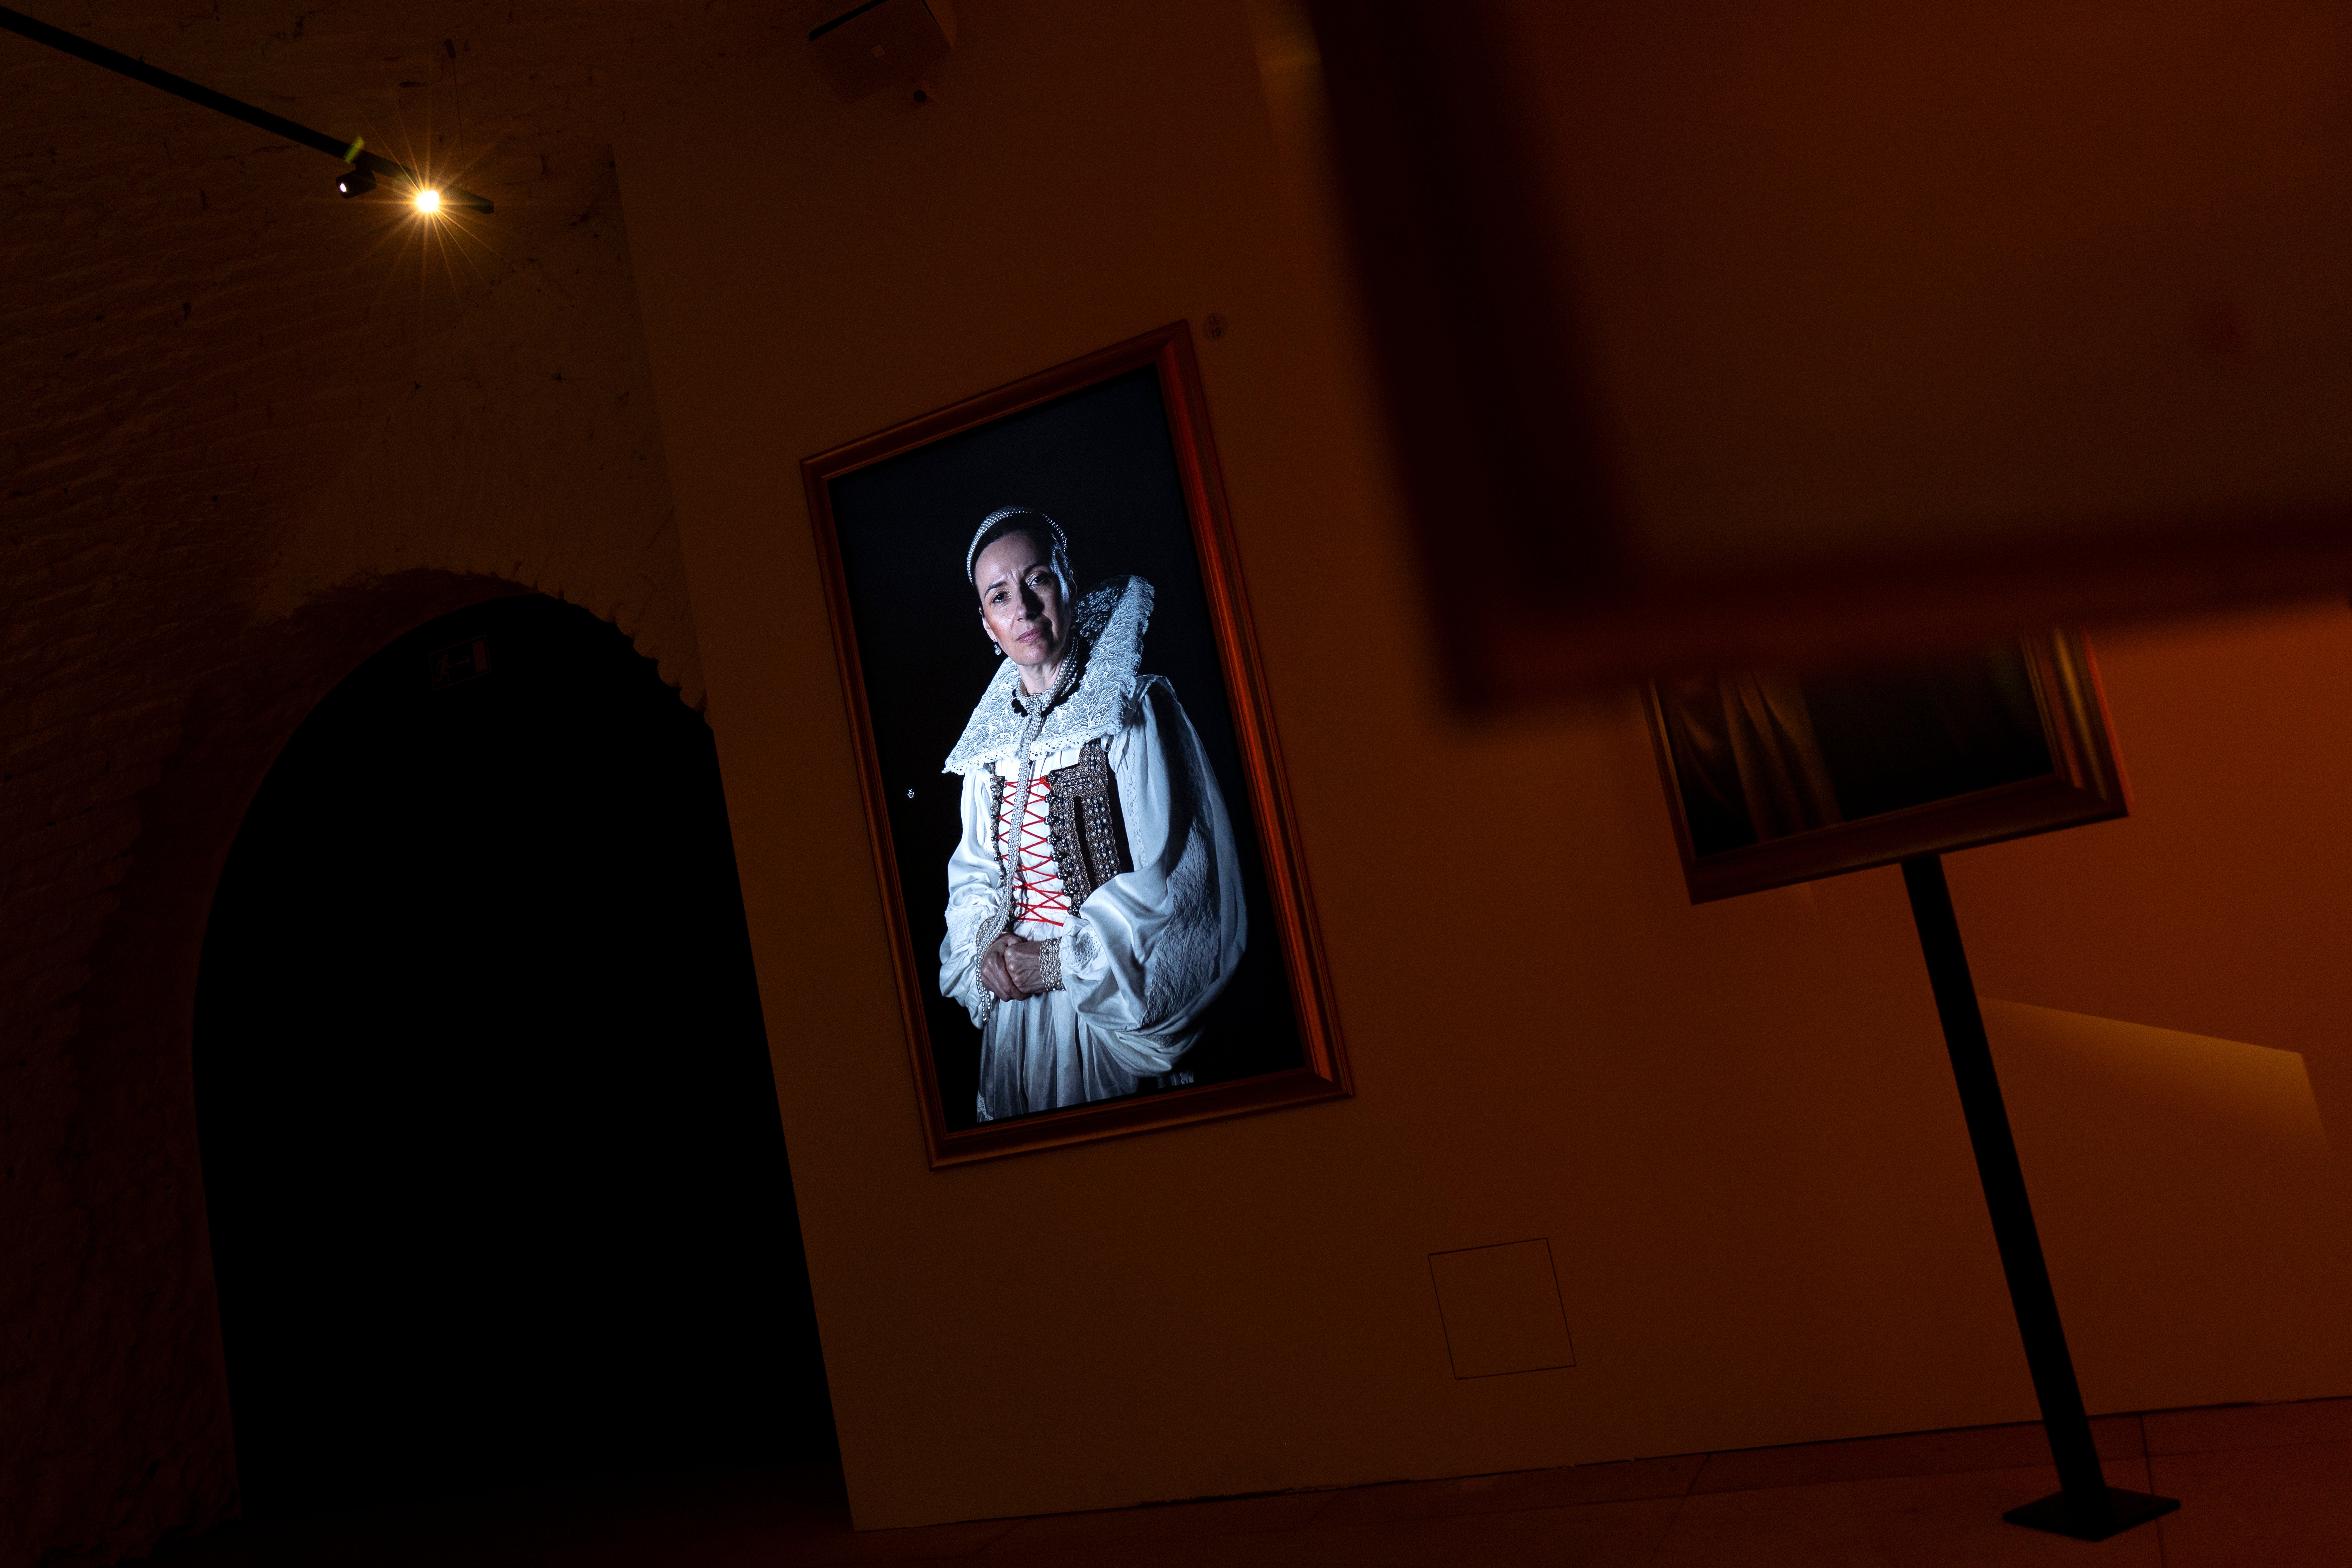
[(2084, 1507)]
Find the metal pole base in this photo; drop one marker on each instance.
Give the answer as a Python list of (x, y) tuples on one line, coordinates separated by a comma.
[(2088, 1509), (2091, 1517)]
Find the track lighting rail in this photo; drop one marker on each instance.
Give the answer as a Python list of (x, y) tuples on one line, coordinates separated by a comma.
[(349, 151)]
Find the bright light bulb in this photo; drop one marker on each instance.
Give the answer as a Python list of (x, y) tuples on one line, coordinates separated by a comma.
[(428, 201)]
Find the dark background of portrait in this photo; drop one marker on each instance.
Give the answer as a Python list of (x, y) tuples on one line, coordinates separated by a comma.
[(1098, 462)]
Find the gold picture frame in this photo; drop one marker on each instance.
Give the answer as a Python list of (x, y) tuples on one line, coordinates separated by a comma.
[(867, 548)]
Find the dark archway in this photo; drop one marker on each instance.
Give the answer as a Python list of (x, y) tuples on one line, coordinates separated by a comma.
[(496, 1181)]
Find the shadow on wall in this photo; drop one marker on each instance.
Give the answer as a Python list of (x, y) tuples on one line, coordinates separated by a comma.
[(496, 1180), (2184, 1190)]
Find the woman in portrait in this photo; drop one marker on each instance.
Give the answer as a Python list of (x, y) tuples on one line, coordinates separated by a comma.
[(1095, 899)]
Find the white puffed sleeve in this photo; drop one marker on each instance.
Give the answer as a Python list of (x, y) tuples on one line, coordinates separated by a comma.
[(1152, 948), (972, 898)]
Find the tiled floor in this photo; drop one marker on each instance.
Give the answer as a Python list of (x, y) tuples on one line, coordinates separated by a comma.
[(2259, 1485)]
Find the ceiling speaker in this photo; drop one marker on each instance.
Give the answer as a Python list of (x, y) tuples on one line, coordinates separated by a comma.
[(882, 42)]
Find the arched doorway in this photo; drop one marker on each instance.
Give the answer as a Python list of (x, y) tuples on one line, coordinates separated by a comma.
[(492, 1161)]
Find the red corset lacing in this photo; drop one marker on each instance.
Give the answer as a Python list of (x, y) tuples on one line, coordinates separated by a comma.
[(1038, 892)]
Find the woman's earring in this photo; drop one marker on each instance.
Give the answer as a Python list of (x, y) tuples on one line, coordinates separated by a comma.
[(994, 644)]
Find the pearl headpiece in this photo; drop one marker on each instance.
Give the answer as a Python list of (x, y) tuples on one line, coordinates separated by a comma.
[(1061, 544)]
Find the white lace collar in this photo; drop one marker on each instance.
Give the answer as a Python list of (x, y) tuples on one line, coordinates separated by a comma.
[(1107, 629)]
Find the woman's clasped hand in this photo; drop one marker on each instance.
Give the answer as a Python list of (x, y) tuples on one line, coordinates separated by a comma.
[(1013, 968)]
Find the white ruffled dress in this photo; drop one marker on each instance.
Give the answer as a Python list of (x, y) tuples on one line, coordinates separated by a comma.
[(1145, 953)]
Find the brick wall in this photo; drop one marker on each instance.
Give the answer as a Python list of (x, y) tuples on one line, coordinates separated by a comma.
[(249, 434)]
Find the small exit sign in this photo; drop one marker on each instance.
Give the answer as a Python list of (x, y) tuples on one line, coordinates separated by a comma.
[(460, 662)]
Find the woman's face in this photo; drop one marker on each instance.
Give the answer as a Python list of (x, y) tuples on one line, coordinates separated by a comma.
[(1021, 603)]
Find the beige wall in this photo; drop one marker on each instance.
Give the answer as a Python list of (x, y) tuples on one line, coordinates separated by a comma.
[(1734, 1123)]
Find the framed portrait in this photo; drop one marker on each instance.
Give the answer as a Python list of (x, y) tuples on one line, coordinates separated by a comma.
[(1098, 913), (1775, 777)]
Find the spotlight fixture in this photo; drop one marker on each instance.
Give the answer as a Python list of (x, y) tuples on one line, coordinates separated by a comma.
[(366, 165), (428, 201)]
